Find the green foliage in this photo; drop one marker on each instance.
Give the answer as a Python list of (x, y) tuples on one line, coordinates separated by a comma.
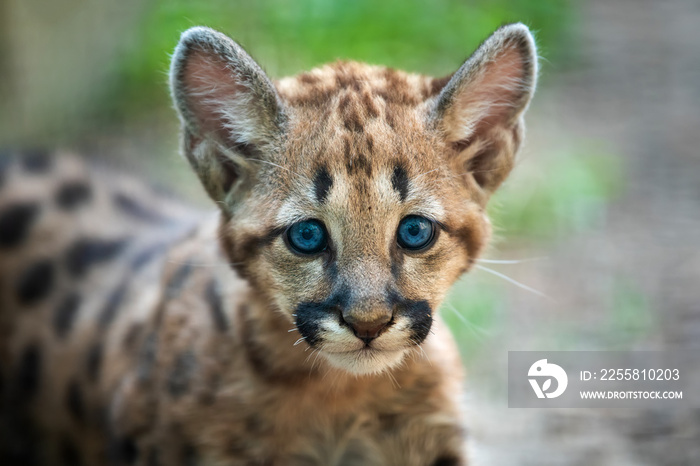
[(289, 36), (562, 194), (471, 311)]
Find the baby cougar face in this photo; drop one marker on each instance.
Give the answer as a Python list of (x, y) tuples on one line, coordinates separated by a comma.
[(352, 196)]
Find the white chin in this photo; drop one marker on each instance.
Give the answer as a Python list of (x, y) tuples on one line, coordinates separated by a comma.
[(365, 361)]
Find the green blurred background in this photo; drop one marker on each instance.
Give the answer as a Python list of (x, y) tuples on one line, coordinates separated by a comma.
[(600, 216)]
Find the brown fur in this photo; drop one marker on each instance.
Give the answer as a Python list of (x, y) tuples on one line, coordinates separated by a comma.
[(133, 331)]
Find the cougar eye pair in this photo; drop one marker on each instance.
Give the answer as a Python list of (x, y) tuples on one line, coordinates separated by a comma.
[(310, 236)]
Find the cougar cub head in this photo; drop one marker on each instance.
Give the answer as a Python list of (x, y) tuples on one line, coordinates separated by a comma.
[(353, 196)]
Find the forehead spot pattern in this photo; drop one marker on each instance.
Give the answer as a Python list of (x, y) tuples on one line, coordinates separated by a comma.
[(399, 181), (322, 184)]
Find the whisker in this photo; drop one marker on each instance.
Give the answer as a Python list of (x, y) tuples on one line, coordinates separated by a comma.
[(204, 264), (425, 173), (299, 341), (395, 383), (514, 282), (511, 261), (478, 332)]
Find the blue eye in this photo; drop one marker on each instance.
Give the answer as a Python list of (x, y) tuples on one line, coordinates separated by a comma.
[(415, 232), (307, 237)]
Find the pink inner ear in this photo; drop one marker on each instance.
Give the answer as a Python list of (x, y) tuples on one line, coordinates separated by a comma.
[(212, 94), (494, 95)]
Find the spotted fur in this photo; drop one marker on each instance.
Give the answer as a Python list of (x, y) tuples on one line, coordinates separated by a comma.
[(135, 331)]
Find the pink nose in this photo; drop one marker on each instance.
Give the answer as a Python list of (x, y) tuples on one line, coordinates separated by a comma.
[(367, 330)]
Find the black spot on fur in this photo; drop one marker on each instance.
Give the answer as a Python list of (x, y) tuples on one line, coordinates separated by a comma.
[(447, 460), (189, 455), (93, 361), (131, 337), (36, 161), (397, 259), (418, 312), (137, 210), (147, 357), (87, 252), (35, 282), (69, 453), (72, 194), (114, 301), (65, 314), (358, 163), (153, 458), (178, 280), (75, 401), (145, 256), (28, 373), (179, 378), (399, 181), (15, 222), (125, 451), (309, 314), (216, 306), (322, 184)]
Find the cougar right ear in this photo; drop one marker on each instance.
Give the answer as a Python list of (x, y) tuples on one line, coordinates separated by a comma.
[(480, 110), (228, 107)]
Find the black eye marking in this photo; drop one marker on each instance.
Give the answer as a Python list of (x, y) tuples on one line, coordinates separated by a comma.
[(399, 180), (322, 184)]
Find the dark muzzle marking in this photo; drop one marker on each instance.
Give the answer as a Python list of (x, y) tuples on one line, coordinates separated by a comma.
[(310, 314)]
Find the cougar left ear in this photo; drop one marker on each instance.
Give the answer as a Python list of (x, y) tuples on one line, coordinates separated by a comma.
[(229, 108), (480, 110)]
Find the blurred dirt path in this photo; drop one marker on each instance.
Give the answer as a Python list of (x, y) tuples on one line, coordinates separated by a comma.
[(638, 89)]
